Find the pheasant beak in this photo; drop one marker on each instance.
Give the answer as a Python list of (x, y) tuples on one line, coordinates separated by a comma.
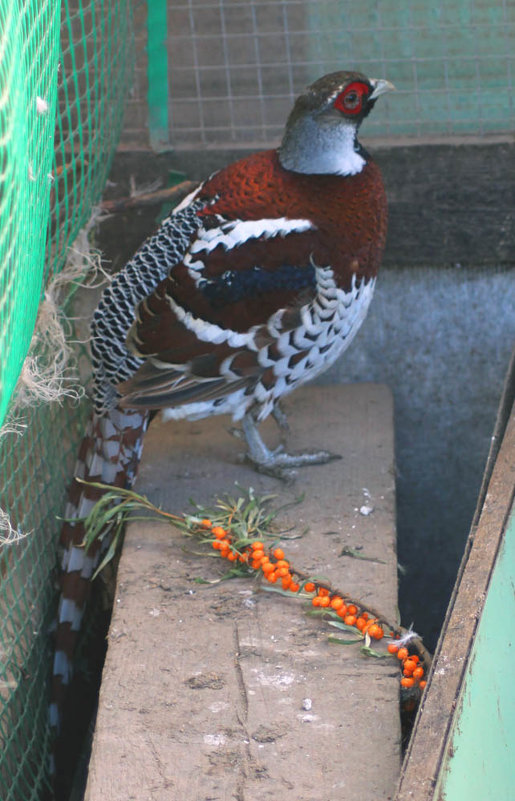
[(380, 86)]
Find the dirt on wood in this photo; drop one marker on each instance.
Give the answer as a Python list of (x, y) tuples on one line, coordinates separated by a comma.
[(225, 691)]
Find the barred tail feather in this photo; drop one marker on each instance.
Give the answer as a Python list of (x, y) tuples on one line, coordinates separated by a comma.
[(109, 453)]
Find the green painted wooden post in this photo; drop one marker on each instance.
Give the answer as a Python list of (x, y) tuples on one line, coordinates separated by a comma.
[(480, 759), (157, 72)]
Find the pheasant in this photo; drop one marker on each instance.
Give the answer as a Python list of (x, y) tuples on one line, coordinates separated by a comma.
[(254, 285)]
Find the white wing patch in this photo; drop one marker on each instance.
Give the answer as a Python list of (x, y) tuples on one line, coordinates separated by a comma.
[(209, 332), (187, 200), (234, 234)]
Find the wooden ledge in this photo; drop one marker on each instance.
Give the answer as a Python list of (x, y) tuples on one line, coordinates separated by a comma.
[(226, 691)]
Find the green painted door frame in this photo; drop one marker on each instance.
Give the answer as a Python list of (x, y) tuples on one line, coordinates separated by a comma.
[(157, 72), (480, 758)]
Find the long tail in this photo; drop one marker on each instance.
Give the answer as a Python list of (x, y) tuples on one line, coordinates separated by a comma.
[(109, 453)]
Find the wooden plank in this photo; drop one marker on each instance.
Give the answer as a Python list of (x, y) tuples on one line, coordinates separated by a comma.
[(480, 752), (430, 738), (230, 692)]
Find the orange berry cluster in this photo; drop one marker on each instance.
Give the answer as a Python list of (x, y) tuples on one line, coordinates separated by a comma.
[(412, 671), (276, 569), (349, 613)]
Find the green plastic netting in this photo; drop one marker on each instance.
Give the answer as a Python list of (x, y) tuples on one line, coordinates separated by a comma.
[(64, 75), (28, 67)]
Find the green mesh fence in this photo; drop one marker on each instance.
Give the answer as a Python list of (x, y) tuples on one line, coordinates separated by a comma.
[(28, 70), (64, 75)]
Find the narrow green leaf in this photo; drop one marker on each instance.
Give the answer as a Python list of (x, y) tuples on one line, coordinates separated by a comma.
[(339, 641), (110, 553), (356, 554), (343, 627), (366, 651)]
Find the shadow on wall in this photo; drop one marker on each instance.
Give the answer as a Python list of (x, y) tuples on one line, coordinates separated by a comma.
[(441, 339)]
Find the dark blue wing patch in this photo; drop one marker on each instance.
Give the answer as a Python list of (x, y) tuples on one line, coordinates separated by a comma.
[(234, 285)]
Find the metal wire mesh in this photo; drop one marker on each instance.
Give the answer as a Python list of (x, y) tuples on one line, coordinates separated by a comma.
[(94, 79), (37, 464), (79, 63), (235, 66)]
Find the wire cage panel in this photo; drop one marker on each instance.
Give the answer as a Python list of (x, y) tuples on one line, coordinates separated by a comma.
[(65, 70), (28, 36), (235, 67)]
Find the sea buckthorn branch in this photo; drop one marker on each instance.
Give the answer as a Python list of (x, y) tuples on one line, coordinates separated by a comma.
[(108, 517), (272, 565), (236, 528)]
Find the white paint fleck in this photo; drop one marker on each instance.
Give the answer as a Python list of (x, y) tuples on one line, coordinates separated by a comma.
[(215, 739), (283, 680), (41, 105), (218, 706)]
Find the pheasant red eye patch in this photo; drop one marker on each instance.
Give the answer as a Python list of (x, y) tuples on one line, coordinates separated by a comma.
[(350, 101)]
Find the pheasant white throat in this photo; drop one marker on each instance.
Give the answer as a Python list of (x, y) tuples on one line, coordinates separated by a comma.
[(325, 149)]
